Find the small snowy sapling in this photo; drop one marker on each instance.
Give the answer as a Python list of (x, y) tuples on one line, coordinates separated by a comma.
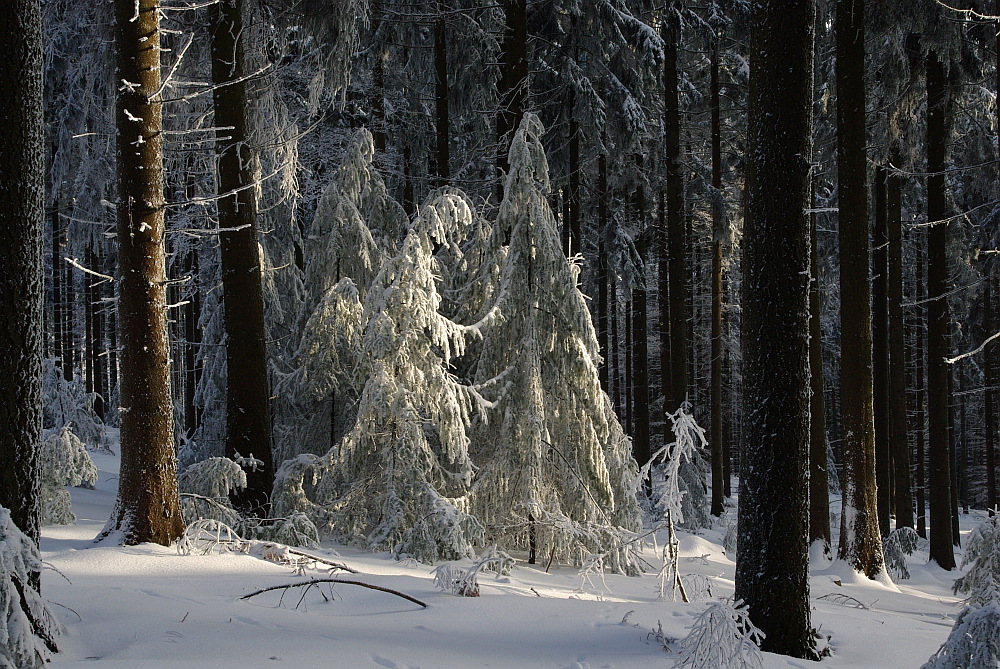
[(901, 542), (62, 461), (722, 637)]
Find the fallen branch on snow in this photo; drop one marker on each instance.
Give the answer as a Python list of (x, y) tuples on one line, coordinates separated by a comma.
[(316, 581)]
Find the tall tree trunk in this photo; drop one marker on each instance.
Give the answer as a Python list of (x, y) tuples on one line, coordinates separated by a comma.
[(920, 386), (614, 371), (860, 543), (378, 83), (441, 100), (989, 397), (629, 354), (512, 89), (58, 342), (819, 477), (147, 507), (938, 103), (68, 309), (676, 251), (192, 338), (88, 324), (719, 235), (575, 246), (663, 299), (772, 568), (640, 378), (602, 269), (880, 349), (954, 438), (248, 409), (22, 209), (898, 444)]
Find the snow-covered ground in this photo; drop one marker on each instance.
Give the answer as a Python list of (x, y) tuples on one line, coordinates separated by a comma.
[(148, 606)]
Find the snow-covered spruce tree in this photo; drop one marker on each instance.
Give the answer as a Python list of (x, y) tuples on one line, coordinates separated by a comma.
[(66, 404), (556, 472), (974, 642), (63, 460), (398, 480), (28, 628), (982, 559), (356, 227)]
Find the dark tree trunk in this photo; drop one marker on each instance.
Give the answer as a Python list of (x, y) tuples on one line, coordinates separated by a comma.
[(938, 104), (614, 373), (575, 246), (192, 338), (512, 89), (147, 508), (640, 378), (88, 324), (898, 443), (248, 411), (954, 438), (989, 416), (58, 343), (22, 209), (860, 543), (772, 568), (718, 239), (378, 84), (920, 389), (68, 310), (100, 350), (880, 349), (602, 269), (409, 200), (819, 477), (441, 100), (663, 299), (677, 270), (628, 386)]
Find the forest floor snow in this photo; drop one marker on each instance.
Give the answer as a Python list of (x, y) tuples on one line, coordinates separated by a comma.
[(147, 606)]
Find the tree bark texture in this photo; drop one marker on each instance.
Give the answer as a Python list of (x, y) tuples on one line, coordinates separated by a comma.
[(22, 209), (989, 415), (441, 101), (938, 321), (147, 507), (899, 446), (718, 239), (819, 477), (512, 88), (677, 269), (772, 570), (860, 542), (248, 411), (602, 270), (920, 388), (880, 349)]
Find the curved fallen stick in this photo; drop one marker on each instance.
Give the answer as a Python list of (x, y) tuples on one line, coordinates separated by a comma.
[(316, 581)]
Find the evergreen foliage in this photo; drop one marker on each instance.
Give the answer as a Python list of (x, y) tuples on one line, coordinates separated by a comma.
[(901, 542), (556, 471), (722, 637), (63, 461), (981, 583), (28, 628)]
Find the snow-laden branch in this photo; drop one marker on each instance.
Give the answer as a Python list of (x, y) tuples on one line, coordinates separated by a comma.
[(952, 361)]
